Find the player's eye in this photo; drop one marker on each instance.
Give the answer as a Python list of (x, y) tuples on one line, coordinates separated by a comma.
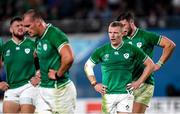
[(27, 26)]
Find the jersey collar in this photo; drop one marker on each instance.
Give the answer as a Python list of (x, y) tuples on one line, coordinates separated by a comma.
[(17, 42), (117, 48), (48, 25), (133, 34)]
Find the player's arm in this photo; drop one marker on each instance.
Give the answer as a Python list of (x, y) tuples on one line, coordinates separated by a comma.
[(36, 61), (149, 67), (36, 79), (1, 62), (168, 48), (88, 68), (3, 86), (67, 59)]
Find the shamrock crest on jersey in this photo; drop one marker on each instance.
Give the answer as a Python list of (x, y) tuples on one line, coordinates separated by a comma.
[(27, 50), (106, 57), (126, 55), (139, 44), (8, 52), (45, 47)]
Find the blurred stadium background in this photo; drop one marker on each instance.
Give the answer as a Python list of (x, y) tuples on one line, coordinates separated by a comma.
[(85, 22)]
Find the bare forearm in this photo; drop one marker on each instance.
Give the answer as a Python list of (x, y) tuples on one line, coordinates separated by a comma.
[(65, 65), (167, 52), (149, 67), (147, 71), (92, 79), (168, 48)]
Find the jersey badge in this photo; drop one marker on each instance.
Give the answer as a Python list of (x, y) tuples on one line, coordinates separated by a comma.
[(126, 55), (106, 57), (139, 44), (45, 47), (27, 50), (8, 52)]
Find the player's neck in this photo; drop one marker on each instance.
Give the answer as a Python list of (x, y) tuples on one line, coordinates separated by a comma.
[(134, 28), (43, 28), (18, 40), (115, 46)]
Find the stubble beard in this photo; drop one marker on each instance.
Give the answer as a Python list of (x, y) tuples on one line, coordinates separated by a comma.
[(20, 37)]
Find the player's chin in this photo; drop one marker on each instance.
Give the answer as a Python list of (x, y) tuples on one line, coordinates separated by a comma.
[(31, 35)]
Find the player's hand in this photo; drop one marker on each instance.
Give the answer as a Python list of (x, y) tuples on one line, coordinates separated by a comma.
[(156, 67), (134, 85), (52, 74), (100, 88), (4, 86), (35, 80), (38, 74)]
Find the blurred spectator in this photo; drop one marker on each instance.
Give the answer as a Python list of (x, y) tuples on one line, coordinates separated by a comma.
[(150, 13), (172, 91)]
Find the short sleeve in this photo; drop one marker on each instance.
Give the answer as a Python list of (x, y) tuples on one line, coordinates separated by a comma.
[(140, 55), (95, 57), (153, 39), (58, 38)]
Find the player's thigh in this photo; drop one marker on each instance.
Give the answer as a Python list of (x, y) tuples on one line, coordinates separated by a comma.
[(144, 94), (10, 107), (108, 100), (139, 108), (42, 102), (28, 95), (125, 103), (11, 101), (65, 99), (60, 100), (12, 95), (27, 108)]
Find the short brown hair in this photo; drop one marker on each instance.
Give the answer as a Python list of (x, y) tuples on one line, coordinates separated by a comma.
[(17, 18), (125, 16)]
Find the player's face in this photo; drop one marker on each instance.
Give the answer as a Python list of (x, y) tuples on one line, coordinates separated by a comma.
[(115, 35), (17, 29), (30, 26), (127, 27)]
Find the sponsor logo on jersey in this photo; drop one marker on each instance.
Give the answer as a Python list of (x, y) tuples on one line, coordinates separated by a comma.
[(27, 50), (139, 44), (116, 53), (130, 42), (7, 53), (45, 47), (126, 55), (17, 48), (106, 57)]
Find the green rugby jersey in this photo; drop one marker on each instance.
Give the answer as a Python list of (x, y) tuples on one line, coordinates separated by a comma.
[(117, 65), (145, 41), (19, 62), (48, 46)]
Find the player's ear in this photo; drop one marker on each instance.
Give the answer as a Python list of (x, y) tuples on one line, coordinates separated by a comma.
[(38, 22), (10, 29)]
